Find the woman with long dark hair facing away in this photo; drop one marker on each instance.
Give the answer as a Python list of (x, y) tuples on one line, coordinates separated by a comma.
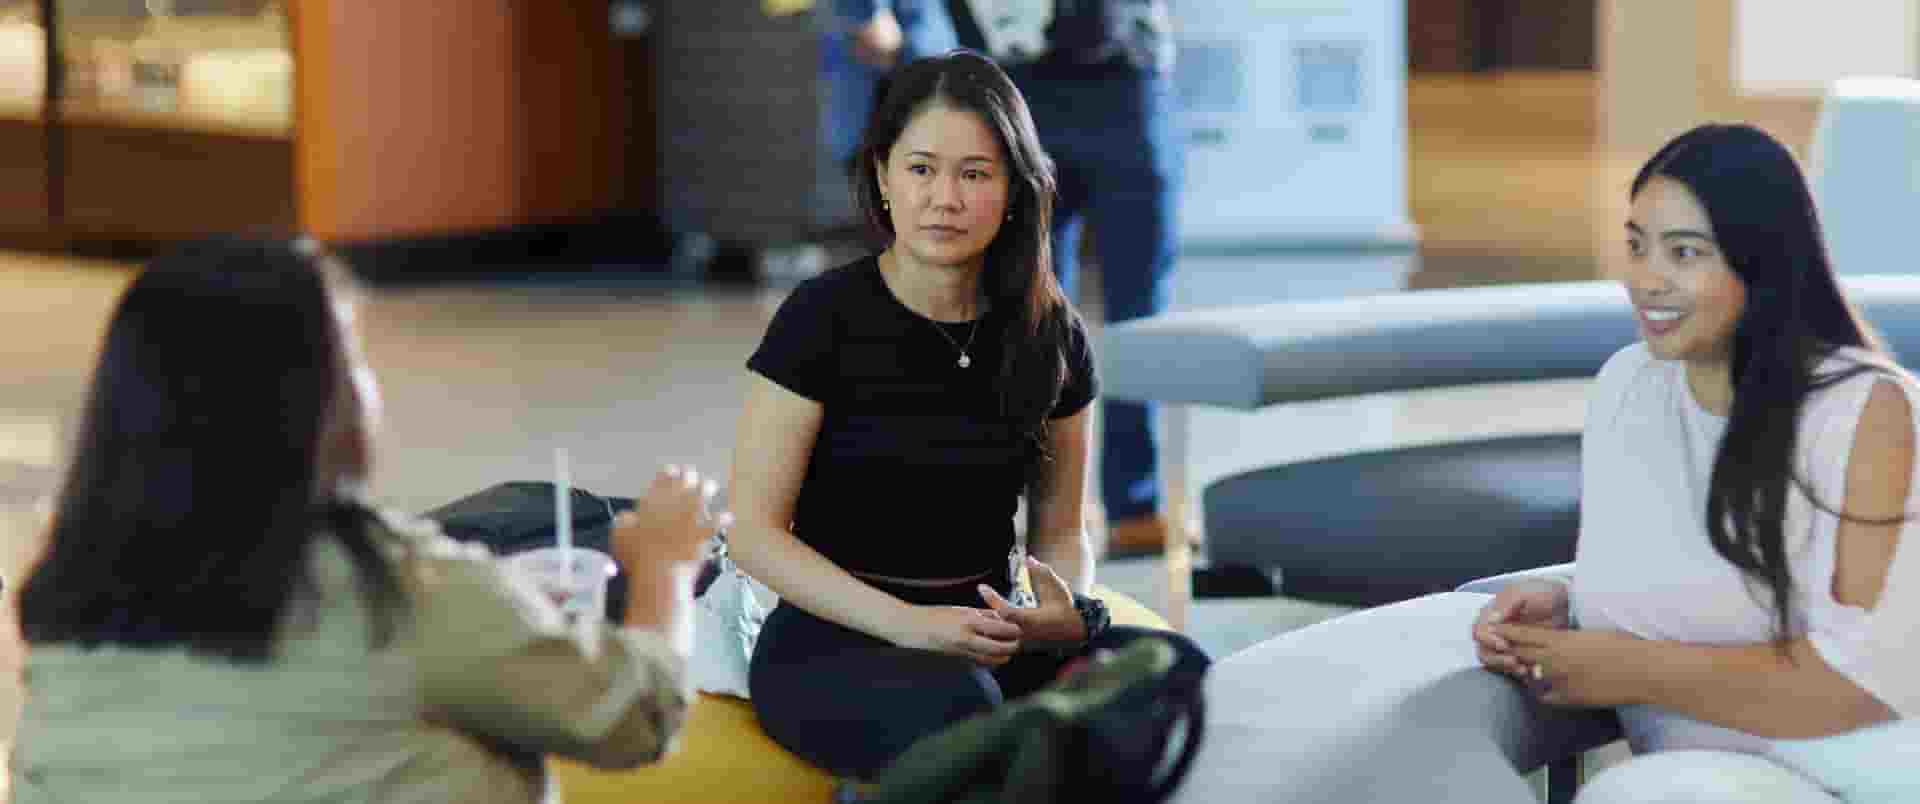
[(218, 616), (1748, 572), (899, 408)]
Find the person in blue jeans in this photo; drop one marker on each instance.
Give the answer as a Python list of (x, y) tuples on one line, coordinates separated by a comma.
[(860, 41), (1111, 125), (1114, 139)]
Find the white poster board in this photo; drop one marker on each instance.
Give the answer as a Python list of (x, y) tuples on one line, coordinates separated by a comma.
[(1296, 118), (1795, 47)]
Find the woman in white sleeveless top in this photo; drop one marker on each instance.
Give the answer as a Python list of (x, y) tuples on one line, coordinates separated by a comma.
[(1747, 479)]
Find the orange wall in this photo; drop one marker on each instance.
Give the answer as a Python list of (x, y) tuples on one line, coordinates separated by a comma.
[(453, 115)]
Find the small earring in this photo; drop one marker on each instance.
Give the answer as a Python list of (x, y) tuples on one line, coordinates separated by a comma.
[(885, 204), (1009, 217)]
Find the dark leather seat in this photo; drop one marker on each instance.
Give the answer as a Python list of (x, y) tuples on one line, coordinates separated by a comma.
[(1380, 527)]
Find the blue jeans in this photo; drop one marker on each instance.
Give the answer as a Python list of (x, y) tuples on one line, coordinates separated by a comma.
[(926, 30), (1116, 144)]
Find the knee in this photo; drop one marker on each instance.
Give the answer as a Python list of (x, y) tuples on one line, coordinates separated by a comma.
[(1700, 777), (855, 717), (906, 708), (938, 689)]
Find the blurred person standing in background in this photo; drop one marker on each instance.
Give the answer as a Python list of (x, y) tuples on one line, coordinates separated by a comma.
[(860, 42)]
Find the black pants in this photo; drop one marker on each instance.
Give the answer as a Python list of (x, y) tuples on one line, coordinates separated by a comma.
[(850, 703)]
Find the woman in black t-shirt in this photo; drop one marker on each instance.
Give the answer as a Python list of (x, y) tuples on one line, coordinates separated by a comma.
[(898, 410)]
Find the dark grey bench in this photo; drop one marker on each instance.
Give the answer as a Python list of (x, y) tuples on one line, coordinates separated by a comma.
[(1392, 524)]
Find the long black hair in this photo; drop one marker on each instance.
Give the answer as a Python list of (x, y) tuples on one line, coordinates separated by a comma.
[(1019, 262), (201, 472), (1763, 218)]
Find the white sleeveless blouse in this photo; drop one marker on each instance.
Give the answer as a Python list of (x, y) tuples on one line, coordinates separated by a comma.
[(1645, 565)]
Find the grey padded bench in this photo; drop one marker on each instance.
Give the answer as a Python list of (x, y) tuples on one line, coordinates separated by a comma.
[(1389, 704), (1254, 356), (1360, 529)]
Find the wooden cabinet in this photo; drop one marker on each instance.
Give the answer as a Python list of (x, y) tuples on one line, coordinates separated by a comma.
[(23, 178), (350, 119), (130, 182)]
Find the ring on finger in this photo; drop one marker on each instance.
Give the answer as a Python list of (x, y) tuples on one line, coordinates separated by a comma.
[(1538, 672)]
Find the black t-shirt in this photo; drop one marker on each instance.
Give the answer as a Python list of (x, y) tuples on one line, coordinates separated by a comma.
[(915, 473)]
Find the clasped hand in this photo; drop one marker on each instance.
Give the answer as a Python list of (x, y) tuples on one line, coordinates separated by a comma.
[(1525, 632), (992, 636)]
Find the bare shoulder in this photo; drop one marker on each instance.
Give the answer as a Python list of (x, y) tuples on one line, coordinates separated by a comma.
[(1888, 407), (1879, 477), (1883, 438)]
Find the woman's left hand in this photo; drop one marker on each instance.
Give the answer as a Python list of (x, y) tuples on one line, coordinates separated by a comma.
[(1576, 668), (1054, 621)]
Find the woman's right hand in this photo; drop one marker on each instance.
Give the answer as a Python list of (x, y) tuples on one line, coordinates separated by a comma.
[(876, 43), (669, 524), (1527, 601), (977, 634), (660, 544)]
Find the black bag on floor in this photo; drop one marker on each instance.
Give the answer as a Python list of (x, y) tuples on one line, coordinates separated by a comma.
[(519, 516)]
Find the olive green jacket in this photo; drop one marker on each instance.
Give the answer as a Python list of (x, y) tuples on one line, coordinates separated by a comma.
[(484, 677)]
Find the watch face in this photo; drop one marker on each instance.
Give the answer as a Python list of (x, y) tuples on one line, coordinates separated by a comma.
[(1093, 614)]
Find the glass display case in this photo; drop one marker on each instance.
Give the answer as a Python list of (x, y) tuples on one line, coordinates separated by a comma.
[(23, 59), (222, 66), (173, 119), (23, 165)]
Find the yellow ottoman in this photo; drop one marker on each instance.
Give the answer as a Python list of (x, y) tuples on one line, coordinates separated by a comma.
[(724, 757)]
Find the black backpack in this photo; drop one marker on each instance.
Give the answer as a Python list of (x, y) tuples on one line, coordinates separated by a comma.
[(517, 516), (1134, 33), (1122, 730)]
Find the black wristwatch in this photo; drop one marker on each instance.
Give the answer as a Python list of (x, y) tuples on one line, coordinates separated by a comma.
[(1093, 614)]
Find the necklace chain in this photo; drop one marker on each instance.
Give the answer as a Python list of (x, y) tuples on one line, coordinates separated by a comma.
[(973, 330), (965, 359)]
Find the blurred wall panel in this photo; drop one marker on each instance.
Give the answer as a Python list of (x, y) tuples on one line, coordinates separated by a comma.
[(1450, 36), (460, 115), (738, 109)]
